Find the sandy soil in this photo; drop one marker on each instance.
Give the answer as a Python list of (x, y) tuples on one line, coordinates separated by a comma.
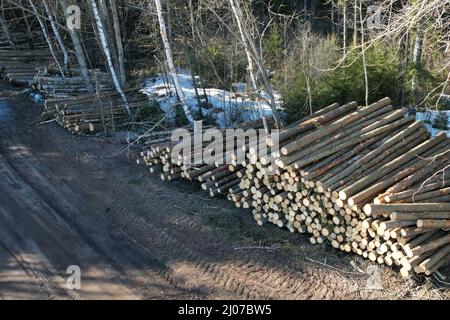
[(65, 200)]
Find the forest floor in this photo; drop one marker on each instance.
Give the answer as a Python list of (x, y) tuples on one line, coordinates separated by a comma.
[(67, 200)]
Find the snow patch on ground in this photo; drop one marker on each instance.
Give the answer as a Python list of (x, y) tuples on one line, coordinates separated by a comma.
[(428, 117), (225, 106)]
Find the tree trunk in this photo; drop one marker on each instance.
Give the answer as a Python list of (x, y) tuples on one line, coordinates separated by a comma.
[(57, 35), (333, 24), (109, 33), (363, 52), (250, 67), (344, 31), (25, 18), (170, 63), (405, 44), (194, 83), (103, 40), (253, 55), (119, 41), (79, 52), (6, 32), (47, 38), (355, 23), (417, 60)]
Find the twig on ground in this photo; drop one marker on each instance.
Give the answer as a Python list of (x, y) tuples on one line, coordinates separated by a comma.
[(257, 248), (186, 210), (45, 122), (130, 143), (197, 197), (327, 265)]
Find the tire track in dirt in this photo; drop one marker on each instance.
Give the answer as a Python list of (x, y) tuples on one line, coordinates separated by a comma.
[(123, 252), (136, 228), (231, 278), (245, 278)]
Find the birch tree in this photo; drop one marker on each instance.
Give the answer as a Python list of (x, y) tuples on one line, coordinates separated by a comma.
[(57, 35), (119, 44), (343, 3), (250, 67), (417, 59), (105, 17), (79, 52), (105, 47), (170, 63), (253, 56), (47, 37), (363, 53)]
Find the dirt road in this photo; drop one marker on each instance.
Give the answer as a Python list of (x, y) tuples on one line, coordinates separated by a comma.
[(66, 201)]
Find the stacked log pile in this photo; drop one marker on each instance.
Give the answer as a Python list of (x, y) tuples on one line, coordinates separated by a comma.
[(216, 177), (93, 113), (19, 66), (19, 38), (54, 86), (16, 31), (367, 180), (15, 40)]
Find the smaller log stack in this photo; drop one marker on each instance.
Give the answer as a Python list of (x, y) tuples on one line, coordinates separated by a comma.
[(215, 176), (50, 82), (367, 180), (16, 31), (19, 66), (93, 113), (18, 40)]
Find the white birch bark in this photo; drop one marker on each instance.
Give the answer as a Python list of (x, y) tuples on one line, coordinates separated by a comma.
[(104, 42), (170, 63), (57, 35), (105, 16), (118, 36), (79, 52), (355, 23), (47, 38), (417, 59), (344, 32), (363, 52), (252, 56)]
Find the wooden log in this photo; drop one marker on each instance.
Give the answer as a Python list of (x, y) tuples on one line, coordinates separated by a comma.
[(432, 245), (334, 112), (408, 194), (416, 177), (352, 141), (437, 265), (387, 144), (353, 131), (376, 210), (377, 162), (333, 127), (419, 215), (376, 188), (389, 167), (433, 223)]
